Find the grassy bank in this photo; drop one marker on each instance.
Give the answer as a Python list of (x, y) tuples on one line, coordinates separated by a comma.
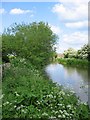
[(74, 62), (28, 94)]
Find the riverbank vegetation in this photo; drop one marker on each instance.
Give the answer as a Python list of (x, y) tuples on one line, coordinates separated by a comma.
[(28, 94), (83, 53), (26, 91), (77, 58), (74, 62)]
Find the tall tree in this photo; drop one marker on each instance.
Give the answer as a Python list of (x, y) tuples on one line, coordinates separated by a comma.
[(84, 52), (34, 42)]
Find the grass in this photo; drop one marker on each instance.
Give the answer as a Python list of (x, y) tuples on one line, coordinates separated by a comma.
[(74, 62), (28, 94)]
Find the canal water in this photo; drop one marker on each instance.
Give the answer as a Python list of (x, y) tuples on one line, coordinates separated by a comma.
[(73, 78)]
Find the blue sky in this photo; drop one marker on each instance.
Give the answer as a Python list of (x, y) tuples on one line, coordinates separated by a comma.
[(67, 18)]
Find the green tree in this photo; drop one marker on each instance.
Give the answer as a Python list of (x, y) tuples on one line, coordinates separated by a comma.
[(84, 52), (70, 53), (34, 42)]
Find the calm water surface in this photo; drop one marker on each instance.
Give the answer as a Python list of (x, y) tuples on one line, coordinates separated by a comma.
[(75, 79)]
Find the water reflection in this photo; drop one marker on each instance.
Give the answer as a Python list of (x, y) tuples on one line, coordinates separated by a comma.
[(72, 78)]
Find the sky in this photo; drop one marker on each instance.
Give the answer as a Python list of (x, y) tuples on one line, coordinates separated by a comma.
[(67, 18)]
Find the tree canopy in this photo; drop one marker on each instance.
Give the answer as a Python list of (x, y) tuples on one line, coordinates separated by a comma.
[(33, 41), (70, 53), (83, 53)]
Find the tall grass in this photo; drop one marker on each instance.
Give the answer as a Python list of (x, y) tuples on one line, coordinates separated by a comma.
[(28, 94)]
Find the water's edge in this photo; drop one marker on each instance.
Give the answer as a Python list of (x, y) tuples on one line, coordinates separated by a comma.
[(73, 78)]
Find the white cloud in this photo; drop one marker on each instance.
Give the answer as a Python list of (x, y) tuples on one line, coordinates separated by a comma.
[(74, 15), (2, 10), (71, 12), (19, 11), (79, 24), (66, 40), (55, 29), (74, 40)]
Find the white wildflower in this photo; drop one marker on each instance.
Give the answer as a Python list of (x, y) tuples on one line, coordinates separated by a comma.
[(63, 116), (1, 96), (18, 108), (56, 112), (44, 114), (23, 111), (61, 93), (10, 103), (68, 106), (50, 96), (21, 106), (72, 91), (85, 103), (52, 117), (61, 111), (60, 104), (15, 106), (59, 116), (6, 103)]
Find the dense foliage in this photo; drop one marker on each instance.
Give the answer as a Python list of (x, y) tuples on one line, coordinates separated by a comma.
[(70, 53), (74, 62), (83, 53), (27, 94), (34, 42)]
